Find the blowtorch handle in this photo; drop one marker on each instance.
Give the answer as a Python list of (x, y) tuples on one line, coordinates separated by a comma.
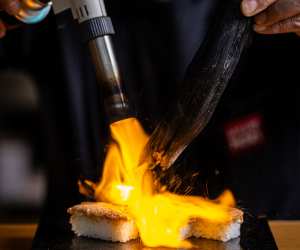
[(96, 27), (85, 10), (92, 18)]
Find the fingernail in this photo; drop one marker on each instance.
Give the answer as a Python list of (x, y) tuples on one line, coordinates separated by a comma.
[(259, 28), (261, 18), (249, 7)]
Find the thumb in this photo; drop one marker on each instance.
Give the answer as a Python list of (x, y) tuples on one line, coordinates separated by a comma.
[(253, 7)]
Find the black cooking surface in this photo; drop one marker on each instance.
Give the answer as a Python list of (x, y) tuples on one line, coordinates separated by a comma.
[(56, 234)]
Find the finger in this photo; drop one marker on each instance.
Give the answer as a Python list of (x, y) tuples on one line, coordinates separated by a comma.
[(2, 29), (12, 7), (298, 33), (279, 11), (289, 25), (253, 7)]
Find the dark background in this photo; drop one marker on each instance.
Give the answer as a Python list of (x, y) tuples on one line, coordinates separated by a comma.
[(52, 127)]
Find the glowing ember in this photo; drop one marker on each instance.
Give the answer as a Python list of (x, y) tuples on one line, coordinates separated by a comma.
[(161, 217)]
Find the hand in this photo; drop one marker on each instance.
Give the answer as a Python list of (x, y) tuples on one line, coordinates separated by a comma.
[(11, 7), (273, 16)]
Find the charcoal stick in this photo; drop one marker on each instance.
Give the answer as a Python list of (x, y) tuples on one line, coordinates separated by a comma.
[(205, 81)]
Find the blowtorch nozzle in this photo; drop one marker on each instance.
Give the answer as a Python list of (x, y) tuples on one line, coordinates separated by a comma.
[(115, 101), (97, 30)]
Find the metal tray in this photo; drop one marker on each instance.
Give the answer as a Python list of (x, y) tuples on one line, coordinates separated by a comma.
[(54, 233)]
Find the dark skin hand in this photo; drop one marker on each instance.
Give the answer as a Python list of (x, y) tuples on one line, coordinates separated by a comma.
[(11, 7), (273, 16)]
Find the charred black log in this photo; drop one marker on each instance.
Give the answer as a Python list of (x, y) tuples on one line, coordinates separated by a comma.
[(205, 81)]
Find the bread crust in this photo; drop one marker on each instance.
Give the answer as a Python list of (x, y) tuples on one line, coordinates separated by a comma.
[(236, 216), (101, 210)]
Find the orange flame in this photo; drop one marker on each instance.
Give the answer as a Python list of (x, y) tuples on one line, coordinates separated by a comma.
[(161, 217)]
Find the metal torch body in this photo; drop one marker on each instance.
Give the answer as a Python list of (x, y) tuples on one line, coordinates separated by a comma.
[(96, 31)]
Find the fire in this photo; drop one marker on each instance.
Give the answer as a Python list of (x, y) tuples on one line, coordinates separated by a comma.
[(161, 217)]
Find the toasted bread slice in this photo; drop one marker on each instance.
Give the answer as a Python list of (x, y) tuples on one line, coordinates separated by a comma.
[(104, 221), (222, 231), (113, 223)]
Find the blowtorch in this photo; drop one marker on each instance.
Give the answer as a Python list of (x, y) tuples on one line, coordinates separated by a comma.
[(96, 31)]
